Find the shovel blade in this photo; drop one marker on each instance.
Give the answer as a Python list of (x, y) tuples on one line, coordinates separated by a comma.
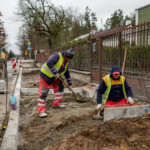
[(80, 101)]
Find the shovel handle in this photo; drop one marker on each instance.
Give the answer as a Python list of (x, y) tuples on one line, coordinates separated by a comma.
[(99, 112), (67, 86)]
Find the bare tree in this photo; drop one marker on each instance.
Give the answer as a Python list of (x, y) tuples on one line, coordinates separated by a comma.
[(22, 39), (43, 18)]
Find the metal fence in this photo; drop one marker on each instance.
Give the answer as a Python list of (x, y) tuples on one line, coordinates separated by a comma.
[(137, 41), (108, 48), (81, 60)]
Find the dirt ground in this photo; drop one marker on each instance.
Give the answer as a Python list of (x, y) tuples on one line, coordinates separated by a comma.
[(73, 128), (32, 81), (37, 133)]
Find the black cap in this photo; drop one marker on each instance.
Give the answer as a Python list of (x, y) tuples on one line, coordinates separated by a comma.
[(69, 53)]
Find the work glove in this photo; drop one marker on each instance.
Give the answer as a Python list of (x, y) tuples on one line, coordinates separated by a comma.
[(130, 100), (70, 88), (99, 106), (57, 76)]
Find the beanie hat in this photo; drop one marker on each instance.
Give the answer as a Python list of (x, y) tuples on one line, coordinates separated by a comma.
[(69, 53)]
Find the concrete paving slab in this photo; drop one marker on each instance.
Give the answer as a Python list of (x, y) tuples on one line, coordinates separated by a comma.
[(137, 110)]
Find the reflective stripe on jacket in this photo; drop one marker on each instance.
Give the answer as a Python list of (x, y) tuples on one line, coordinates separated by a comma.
[(45, 69), (106, 93)]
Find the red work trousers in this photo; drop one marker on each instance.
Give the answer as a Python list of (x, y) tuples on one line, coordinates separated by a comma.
[(43, 92), (121, 102)]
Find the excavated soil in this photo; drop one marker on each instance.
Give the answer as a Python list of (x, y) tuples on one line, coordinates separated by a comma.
[(73, 128), (31, 80)]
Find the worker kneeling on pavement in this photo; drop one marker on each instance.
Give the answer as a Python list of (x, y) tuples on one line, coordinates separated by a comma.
[(114, 90), (50, 74)]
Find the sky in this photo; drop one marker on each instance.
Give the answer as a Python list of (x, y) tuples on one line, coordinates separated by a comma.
[(102, 8)]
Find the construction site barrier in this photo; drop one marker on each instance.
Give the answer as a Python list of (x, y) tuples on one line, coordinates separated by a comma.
[(13, 61), (20, 62)]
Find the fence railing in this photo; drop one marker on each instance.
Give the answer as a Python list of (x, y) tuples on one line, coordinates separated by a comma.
[(137, 41), (113, 43)]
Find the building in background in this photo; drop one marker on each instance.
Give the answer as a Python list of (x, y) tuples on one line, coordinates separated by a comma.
[(142, 14), (3, 53)]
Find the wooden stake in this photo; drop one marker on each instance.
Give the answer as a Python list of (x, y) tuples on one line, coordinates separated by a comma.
[(125, 54)]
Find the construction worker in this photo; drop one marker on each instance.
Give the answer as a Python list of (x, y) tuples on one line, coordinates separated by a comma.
[(114, 90), (50, 74)]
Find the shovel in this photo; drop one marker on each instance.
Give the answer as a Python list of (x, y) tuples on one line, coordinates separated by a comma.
[(77, 98)]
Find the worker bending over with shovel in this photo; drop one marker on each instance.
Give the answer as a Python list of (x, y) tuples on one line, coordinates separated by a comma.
[(114, 90), (50, 74)]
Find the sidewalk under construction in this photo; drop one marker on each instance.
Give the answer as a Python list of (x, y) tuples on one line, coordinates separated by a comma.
[(66, 128)]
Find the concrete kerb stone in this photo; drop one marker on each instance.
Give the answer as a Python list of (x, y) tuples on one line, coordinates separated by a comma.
[(2, 86), (11, 86), (35, 91), (115, 112), (10, 139), (76, 90), (15, 73), (29, 91), (125, 112), (39, 65), (27, 69), (89, 91), (78, 75), (27, 61)]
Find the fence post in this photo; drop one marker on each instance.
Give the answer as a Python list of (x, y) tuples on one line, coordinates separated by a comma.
[(100, 57), (77, 48), (91, 51)]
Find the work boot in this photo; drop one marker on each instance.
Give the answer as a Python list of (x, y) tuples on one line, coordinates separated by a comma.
[(43, 114), (59, 106)]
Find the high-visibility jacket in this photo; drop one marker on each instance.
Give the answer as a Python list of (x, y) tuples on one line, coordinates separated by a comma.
[(106, 93), (45, 69)]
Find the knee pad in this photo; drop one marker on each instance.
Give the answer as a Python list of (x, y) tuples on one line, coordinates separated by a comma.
[(44, 93), (61, 87)]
